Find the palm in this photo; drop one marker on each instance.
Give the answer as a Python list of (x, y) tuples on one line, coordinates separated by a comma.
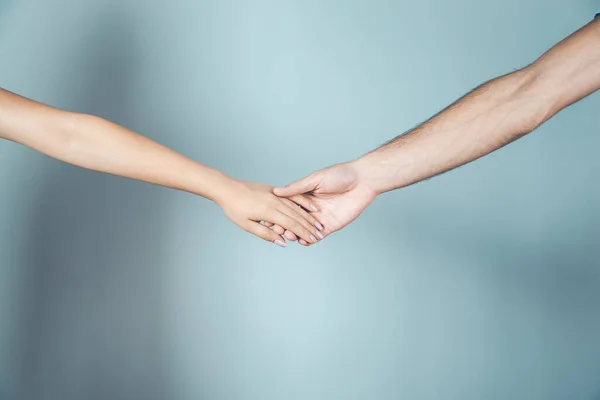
[(339, 196)]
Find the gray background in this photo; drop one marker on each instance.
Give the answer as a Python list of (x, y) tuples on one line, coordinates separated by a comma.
[(480, 284)]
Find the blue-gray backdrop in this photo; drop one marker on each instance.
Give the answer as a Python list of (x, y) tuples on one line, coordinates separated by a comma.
[(481, 284)]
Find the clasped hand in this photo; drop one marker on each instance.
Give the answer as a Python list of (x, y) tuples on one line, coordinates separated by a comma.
[(306, 210)]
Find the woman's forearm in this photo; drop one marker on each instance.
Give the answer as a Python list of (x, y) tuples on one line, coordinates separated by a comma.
[(100, 145)]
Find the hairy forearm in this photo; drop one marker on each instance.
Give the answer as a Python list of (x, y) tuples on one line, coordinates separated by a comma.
[(100, 145), (491, 116)]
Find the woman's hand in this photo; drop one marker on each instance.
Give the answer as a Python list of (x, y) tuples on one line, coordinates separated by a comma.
[(100, 145), (248, 204)]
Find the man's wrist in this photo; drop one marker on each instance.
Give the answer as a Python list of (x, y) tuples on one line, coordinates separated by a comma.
[(377, 171)]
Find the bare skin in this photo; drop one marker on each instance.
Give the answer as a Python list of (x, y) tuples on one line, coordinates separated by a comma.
[(100, 145), (491, 116)]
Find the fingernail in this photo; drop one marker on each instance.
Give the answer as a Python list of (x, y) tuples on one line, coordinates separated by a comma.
[(314, 239), (280, 243), (313, 207), (320, 235), (319, 226)]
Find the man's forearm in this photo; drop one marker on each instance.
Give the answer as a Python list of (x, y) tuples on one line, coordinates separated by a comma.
[(491, 116)]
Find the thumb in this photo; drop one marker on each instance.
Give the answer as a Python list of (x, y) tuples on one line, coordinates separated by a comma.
[(305, 185)]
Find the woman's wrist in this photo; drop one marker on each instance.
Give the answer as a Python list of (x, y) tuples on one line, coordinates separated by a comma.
[(214, 185)]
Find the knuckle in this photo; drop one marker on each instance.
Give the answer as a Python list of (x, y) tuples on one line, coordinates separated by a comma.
[(306, 223), (302, 231), (293, 225), (267, 235)]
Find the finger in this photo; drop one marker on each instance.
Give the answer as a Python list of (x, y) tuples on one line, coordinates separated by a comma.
[(290, 236), (296, 225), (278, 229), (304, 201), (301, 216), (315, 235), (265, 233), (303, 242), (309, 217), (305, 185)]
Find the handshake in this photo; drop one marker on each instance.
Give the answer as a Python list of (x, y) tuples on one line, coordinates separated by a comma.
[(491, 116), (307, 210)]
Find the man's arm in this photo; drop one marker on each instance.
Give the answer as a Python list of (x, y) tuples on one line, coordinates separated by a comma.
[(491, 116), (100, 145)]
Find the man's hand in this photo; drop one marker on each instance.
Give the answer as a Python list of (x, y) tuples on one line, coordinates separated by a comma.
[(491, 116), (338, 192)]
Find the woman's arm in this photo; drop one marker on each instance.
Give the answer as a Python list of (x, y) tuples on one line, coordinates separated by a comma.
[(100, 145)]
